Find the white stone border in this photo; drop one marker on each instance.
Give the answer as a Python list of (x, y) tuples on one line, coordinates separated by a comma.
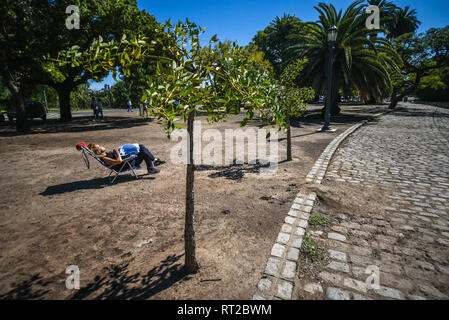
[(278, 278)]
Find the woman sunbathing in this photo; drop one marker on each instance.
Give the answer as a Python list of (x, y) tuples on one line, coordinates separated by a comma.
[(114, 158)]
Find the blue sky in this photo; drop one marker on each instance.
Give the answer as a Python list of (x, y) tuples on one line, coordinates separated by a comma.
[(239, 20)]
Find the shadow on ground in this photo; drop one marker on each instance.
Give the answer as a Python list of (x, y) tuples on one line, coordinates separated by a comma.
[(77, 125), (234, 171), (118, 283), (93, 184), (34, 288)]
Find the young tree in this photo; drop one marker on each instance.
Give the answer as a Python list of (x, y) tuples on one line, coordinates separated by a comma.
[(293, 99), (217, 81)]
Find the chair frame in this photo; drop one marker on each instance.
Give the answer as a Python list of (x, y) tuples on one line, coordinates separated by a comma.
[(126, 166)]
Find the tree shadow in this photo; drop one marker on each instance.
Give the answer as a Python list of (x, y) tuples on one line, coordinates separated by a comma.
[(234, 171), (299, 136), (118, 284), (313, 119), (93, 184), (424, 113), (27, 290), (77, 125)]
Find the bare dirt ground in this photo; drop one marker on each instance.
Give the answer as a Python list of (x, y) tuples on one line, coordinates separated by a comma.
[(55, 213)]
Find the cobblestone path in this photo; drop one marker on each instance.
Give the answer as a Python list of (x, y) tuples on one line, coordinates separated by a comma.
[(405, 157)]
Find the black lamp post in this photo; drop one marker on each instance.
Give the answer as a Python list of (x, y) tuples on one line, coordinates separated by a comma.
[(331, 39)]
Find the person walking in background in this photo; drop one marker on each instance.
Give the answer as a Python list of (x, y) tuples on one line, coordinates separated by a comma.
[(130, 105), (94, 107), (100, 110), (145, 111)]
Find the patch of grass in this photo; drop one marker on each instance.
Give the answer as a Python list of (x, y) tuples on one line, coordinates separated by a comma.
[(312, 249), (317, 220)]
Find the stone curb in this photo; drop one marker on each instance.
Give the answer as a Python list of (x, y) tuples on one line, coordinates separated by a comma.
[(278, 279)]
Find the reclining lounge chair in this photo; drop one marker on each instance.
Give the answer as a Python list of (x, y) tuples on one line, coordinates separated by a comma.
[(115, 170)]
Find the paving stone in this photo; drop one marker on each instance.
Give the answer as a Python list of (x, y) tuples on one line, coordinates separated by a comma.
[(337, 255), (313, 288), (431, 291), (309, 203), (293, 254), (307, 209), (338, 266), (412, 297), (337, 294), (388, 292), (285, 290), (302, 223), (395, 281), (286, 228), (339, 229), (336, 236), (289, 271), (293, 213), (297, 243), (300, 231), (407, 228), (316, 233), (290, 220), (355, 284), (264, 284), (278, 250), (362, 251), (360, 297), (283, 238), (272, 267)]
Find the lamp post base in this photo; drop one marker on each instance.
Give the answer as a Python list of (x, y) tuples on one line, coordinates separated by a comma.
[(326, 129)]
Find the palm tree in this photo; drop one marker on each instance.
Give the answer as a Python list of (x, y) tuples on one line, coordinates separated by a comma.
[(404, 21), (387, 10), (361, 62)]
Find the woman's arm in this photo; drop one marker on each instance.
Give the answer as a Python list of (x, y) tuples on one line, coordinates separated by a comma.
[(111, 162)]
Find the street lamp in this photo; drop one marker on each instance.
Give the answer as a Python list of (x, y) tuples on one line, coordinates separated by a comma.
[(331, 39)]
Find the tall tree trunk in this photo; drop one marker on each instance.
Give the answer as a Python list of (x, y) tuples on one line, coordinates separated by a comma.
[(22, 124), (64, 103), (371, 100), (335, 109), (191, 265), (289, 141), (393, 103), (399, 95)]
